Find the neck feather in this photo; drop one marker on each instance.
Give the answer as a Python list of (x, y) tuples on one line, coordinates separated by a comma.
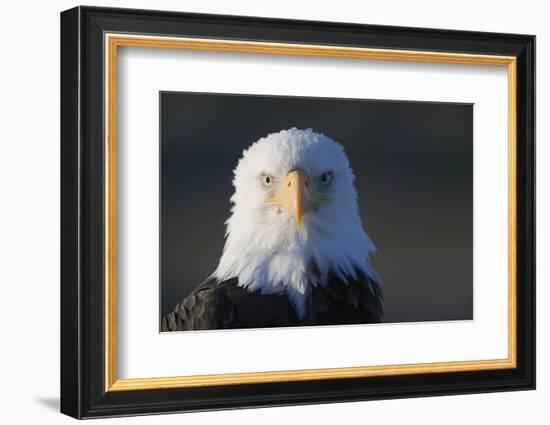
[(274, 260)]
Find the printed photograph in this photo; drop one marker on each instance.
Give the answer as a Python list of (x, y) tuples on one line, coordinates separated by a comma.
[(279, 211)]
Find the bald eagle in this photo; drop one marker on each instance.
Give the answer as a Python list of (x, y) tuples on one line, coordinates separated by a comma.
[(296, 252)]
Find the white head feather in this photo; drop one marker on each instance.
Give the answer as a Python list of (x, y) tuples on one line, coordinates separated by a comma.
[(264, 249)]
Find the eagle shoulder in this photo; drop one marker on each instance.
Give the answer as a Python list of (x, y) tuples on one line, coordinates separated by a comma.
[(207, 307)]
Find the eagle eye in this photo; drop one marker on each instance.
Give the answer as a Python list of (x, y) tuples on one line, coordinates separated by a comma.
[(326, 178), (266, 180)]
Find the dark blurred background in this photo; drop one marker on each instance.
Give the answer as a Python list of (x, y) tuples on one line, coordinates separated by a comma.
[(414, 171)]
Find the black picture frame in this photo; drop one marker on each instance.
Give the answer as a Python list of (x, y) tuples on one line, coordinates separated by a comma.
[(83, 392)]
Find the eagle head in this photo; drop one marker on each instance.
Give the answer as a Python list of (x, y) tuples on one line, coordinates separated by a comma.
[(294, 218)]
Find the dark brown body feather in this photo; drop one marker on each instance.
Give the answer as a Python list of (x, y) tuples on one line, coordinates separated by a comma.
[(225, 305)]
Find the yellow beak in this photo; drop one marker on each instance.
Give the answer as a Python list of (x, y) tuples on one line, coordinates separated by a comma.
[(295, 197)]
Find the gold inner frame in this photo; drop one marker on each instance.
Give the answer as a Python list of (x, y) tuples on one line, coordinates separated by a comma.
[(113, 41)]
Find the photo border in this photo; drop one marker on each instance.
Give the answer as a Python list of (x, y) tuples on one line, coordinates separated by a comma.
[(113, 41)]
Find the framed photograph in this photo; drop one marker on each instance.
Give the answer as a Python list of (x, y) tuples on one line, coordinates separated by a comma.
[(261, 212)]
